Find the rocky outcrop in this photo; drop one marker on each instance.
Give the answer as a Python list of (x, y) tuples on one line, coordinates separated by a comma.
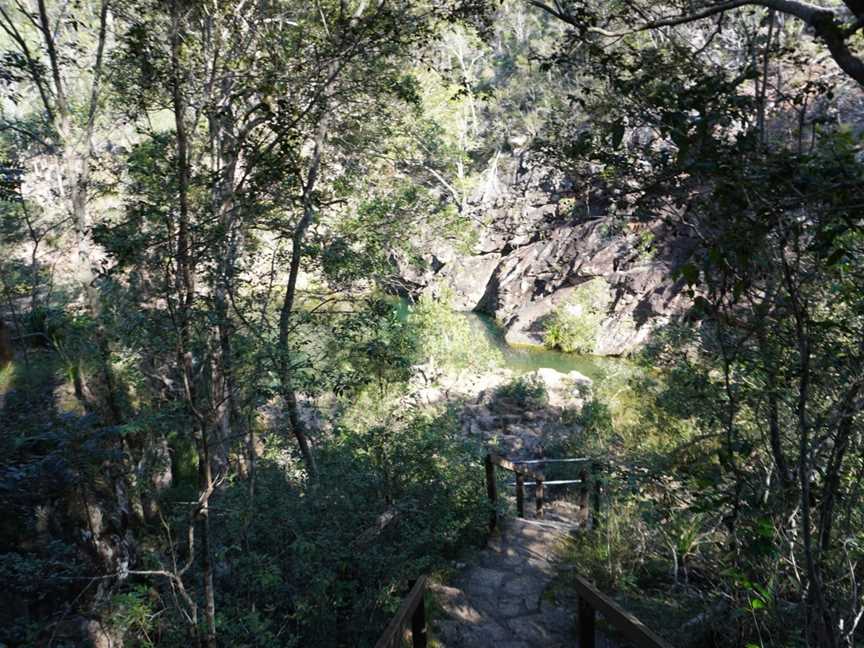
[(517, 429), (539, 242)]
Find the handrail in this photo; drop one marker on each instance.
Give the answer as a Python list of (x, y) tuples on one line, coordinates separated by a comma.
[(545, 461), (550, 482), (592, 600), (493, 460), (586, 501), (498, 460), (413, 609)]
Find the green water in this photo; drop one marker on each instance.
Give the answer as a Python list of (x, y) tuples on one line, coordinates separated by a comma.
[(523, 360)]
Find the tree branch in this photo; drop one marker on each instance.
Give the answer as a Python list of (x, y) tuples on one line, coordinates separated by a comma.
[(32, 64), (826, 22), (45, 26)]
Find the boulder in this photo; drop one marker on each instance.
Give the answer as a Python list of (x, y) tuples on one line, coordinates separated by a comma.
[(470, 386), (565, 390), (468, 279), (428, 396)]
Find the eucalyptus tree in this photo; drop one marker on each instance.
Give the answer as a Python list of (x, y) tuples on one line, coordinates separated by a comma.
[(254, 124), (708, 139)]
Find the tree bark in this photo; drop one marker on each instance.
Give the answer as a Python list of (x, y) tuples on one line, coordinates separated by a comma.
[(184, 285), (289, 393), (824, 628), (775, 441)]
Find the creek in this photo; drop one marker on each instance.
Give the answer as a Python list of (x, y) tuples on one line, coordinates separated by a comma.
[(522, 360)]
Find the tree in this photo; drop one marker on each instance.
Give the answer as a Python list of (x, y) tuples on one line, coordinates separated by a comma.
[(709, 140), (44, 60), (259, 165), (834, 26), (47, 67)]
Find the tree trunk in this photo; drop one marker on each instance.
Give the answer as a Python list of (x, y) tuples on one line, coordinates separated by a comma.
[(205, 486), (823, 632), (289, 393), (224, 211), (185, 289)]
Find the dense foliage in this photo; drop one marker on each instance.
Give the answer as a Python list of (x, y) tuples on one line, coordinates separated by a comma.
[(209, 347), (746, 447), (574, 324)]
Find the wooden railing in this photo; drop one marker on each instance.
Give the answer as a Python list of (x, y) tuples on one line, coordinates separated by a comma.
[(592, 601), (493, 460), (590, 485), (413, 611), (590, 488)]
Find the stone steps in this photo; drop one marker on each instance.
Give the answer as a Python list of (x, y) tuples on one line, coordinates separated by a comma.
[(503, 598)]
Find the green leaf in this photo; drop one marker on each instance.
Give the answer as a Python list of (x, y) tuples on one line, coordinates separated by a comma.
[(690, 273)]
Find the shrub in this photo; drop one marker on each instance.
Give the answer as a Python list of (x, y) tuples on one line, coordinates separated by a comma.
[(574, 324), (301, 552), (524, 392), (645, 244), (131, 613), (613, 555), (447, 338), (596, 418)]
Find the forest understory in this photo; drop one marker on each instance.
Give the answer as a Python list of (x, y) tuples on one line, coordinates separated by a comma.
[(276, 275)]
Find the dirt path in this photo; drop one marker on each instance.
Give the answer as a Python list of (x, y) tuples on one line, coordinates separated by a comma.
[(503, 598)]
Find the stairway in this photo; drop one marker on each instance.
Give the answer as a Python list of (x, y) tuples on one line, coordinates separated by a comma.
[(503, 599)]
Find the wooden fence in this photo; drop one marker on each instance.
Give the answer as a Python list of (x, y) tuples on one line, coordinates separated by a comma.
[(493, 460), (590, 489), (591, 600), (413, 611)]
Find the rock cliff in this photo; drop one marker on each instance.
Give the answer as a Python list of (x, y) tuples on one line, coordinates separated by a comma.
[(538, 239)]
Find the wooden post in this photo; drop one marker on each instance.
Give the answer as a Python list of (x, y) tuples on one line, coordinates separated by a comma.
[(583, 498), (520, 495), (539, 494), (418, 625), (492, 491), (597, 492), (586, 624)]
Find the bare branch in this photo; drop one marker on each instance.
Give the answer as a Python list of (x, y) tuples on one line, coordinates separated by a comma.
[(45, 27)]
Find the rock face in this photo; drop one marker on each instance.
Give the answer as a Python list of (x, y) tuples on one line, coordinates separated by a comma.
[(563, 389), (538, 245)]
